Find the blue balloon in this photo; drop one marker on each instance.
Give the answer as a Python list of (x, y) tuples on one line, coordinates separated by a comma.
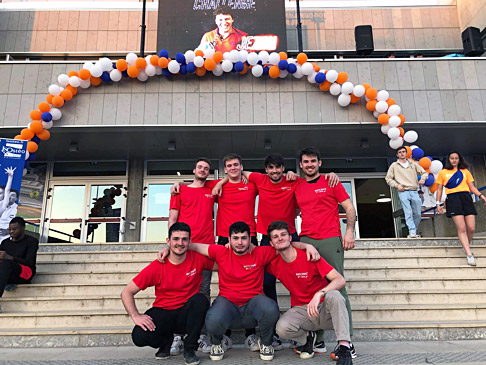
[(430, 180), (114, 64), (105, 76), (32, 157), (125, 73), (417, 154), (191, 67), (239, 66), (283, 65), (180, 58), (260, 62), (166, 72), (430, 158), (36, 139), (292, 68), (164, 53), (183, 70), (320, 77), (265, 70), (46, 116)]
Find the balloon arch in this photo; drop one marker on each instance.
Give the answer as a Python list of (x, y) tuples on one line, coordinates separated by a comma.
[(262, 64)]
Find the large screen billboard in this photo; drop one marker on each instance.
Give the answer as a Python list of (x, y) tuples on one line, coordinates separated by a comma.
[(224, 25)]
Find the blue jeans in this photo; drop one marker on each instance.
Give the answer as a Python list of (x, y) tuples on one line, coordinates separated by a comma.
[(259, 310), (412, 208)]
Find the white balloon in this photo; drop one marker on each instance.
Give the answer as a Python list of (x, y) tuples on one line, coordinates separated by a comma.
[(158, 70), (54, 90), (376, 114), (381, 106), (257, 70), (174, 67), (385, 128), (106, 64), (56, 113), (209, 52), (292, 60), (344, 99), (74, 81), (410, 137), (28, 125), (227, 65), (359, 90), (63, 79), (331, 75), (436, 166), (347, 88), (226, 56), (396, 143), (115, 75), (85, 84), (218, 70), (283, 74), (87, 65), (234, 56), (243, 55), (24, 172), (298, 74), (252, 58), (198, 61), (131, 58), (383, 95), (263, 56), (150, 70), (393, 133), (394, 121), (47, 125), (142, 76), (394, 110), (96, 71), (190, 55), (274, 58), (27, 154), (307, 68), (335, 89)]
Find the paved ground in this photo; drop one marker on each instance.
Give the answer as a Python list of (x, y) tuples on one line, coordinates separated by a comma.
[(373, 353)]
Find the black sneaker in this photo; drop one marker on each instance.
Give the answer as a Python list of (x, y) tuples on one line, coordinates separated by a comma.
[(163, 354), (344, 356), (190, 357), (307, 351), (320, 347), (335, 353)]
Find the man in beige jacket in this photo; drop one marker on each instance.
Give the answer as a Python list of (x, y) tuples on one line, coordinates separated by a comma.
[(403, 175)]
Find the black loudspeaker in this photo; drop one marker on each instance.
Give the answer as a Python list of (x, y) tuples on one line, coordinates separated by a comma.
[(363, 35), (472, 43)]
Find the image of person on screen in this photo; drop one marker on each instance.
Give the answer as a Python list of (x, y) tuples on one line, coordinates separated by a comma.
[(225, 37)]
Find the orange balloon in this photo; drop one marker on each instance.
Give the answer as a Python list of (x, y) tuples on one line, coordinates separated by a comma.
[(32, 147), (390, 101), (209, 64), (132, 71), (74, 90), (44, 107), (433, 187), (402, 118), (72, 73), (427, 170), (409, 151), (141, 63), (218, 56), (371, 93), (370, 105), (18, 136), (301, 58), (245, 69), (57, 101), (154, 60), (354, 98), (49, 98), (382, 118), (325, 86), (163, 62), (36, 126), (283, 55), (200, 71), (26, 133), (84, 74), (402, 131), (199, 53), (316, 68), (95, 80), (44, 135), (274, 72), (121, 65), (35, 115), (342, 78), (425, 162), (66, 94), (366, 86)]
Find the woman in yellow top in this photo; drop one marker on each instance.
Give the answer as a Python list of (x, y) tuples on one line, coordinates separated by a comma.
[(458, 183)]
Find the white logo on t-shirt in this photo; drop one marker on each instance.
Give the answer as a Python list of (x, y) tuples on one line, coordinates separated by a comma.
[(243, 188), (321, 190), (285, 188), (191, 273), (208, 195), (302, 275), (249, 267)]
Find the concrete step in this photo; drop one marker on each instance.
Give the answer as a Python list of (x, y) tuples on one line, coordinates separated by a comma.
[(92, 266), (413, 284), (421, 251), (146, 256)]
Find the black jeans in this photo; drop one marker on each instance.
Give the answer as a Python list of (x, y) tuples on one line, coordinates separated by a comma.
[(10, 274), (188, 319)]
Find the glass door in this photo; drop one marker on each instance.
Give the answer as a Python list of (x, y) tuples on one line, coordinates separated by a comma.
[(156, 199)]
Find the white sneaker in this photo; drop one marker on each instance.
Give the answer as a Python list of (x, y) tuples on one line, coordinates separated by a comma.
[(177, 346), (266, 352), (471, 260), (251, 343), (204, 344), (217, 352), (413, 235), (226, 343)]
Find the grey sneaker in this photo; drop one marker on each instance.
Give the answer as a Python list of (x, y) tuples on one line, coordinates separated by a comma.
[(217, 353), (251, 343), (177, 346), (226, 343), (266, 352), (190, 357), (471, 260), (204, 344), (277, 343)]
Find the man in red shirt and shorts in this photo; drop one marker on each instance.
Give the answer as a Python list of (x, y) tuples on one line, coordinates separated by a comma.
[(319, 207), (178, 306), (314, 294)]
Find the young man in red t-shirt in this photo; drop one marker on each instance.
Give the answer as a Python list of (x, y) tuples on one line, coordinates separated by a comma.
[(178, 306), (314, 294), (319, 208)]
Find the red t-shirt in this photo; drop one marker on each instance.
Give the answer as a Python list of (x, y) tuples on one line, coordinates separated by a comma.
[(236, 204), (302, 278), (174, 284), (195, 206), (241, 277), (318, 204), (277, 202)]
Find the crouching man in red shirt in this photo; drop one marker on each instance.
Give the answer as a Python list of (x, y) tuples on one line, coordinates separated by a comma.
[(178, 306), (314, 295)]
